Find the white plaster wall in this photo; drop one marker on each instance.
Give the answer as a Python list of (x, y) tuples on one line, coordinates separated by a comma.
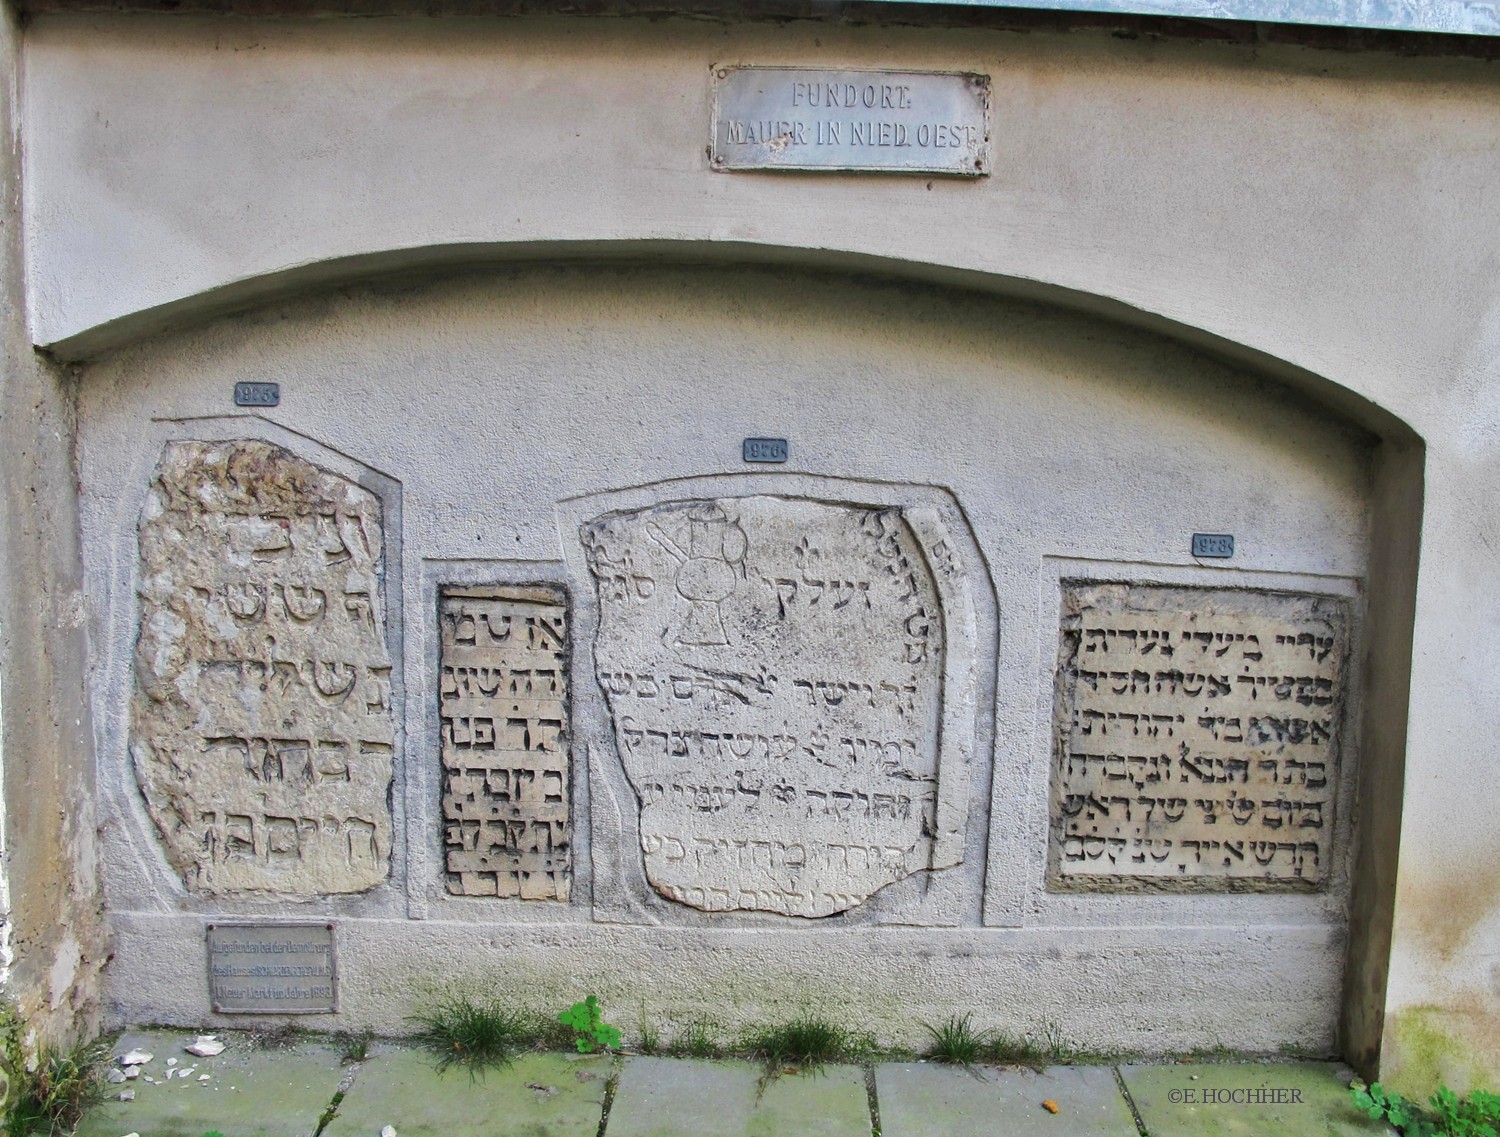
[(491, 397), (1330, 210), (6, 955)]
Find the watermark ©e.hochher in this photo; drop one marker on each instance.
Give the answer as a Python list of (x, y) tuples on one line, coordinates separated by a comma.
[(1260, 1095)]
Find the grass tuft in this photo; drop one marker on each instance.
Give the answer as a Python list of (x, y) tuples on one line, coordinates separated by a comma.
[(957, 1041), (648, 1040), (806, 1043), (354, 1045), (50, 1095), (699, 1040), (1018, 1050), (477, 1034)]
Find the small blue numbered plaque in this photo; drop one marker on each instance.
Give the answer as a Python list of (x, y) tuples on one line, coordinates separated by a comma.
[(1213, 544), (765, 450), (257, 394)]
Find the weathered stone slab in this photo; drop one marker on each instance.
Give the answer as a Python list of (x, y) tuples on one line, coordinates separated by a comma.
[(926, 1100), (503, 699), (660, 1097), (1284, 1099), (538, 1095), (262, 731), (774, 671), (1196, 737), (247, 1092)]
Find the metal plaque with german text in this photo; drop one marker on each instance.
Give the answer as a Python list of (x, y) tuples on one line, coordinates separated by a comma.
[(272, 969), (919, 122)]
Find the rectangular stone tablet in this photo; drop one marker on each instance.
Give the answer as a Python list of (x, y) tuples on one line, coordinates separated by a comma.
[(272, 969), (1196, 738), (503, 701)]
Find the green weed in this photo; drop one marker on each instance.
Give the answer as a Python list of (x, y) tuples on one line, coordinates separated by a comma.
[(49, 1094), (1446, 1115), (590, 1031)]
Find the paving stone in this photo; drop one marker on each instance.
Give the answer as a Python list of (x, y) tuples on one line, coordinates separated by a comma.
[(662, 1097), (538, 1095), (1309, 1099), (250, 1093), (928, 1100)]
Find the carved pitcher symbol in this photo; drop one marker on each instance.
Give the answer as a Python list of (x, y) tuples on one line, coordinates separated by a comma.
[(710, 556)]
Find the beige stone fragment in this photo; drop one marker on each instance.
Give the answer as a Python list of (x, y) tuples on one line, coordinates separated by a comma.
[(1197, 737), (773, 667), (262, 732)]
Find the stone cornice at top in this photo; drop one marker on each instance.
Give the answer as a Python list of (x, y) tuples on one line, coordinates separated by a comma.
[(1406, 27)]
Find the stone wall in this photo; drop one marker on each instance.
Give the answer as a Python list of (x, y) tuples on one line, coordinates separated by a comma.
[(53, 925), (1305, 216)]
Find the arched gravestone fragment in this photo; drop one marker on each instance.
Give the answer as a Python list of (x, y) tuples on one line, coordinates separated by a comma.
[(774, 672), (261, 727)]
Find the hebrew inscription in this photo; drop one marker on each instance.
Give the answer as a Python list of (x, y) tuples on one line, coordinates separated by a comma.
[(503, 700), (261, 727), (773, 668), (1197, 737)]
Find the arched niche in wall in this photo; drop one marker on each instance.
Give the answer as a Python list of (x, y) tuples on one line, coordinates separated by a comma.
[(534, 415)]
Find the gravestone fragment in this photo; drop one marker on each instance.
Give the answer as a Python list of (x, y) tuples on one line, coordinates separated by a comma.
[(773, 669), (504, 712), (262, 733), (1196, 737)]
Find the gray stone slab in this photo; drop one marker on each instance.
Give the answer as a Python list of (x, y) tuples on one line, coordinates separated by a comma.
[(249, 1092), (1283, 1099), (928, 1100), (660, 1097), (538, 1095)]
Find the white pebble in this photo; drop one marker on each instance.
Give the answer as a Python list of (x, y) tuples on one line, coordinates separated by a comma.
[(171, 1061), (205, 1077), (205, 1046), (388, 1131), (116, 1076), (127, 1095), (132, 1073), (136, 1058)]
